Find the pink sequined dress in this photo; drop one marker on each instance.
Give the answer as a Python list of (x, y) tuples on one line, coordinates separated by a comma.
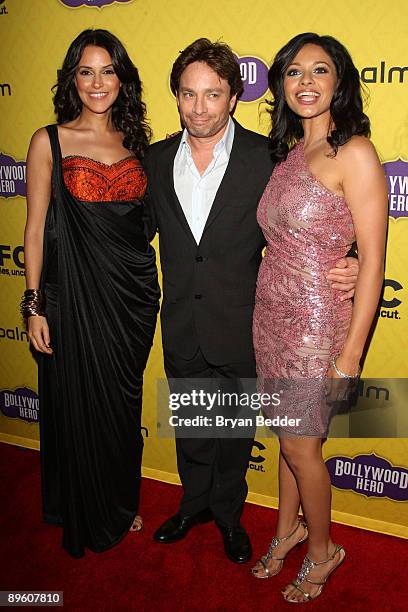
[(299, 322)]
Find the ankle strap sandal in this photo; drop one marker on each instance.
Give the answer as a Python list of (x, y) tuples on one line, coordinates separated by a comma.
[(270, 556), (306, 568)]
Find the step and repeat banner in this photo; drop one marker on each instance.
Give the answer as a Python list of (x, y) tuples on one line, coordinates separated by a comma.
[(370, 476)]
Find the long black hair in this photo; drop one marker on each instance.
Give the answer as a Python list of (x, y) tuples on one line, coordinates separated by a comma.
[(346, 107), (128, 111)]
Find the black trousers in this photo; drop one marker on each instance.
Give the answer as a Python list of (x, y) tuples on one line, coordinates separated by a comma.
[(212, 470)]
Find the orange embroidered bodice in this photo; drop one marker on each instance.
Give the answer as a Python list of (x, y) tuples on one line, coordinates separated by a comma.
[(93, 181)]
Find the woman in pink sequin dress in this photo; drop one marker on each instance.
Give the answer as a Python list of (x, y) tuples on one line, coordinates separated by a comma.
[(327, 191)]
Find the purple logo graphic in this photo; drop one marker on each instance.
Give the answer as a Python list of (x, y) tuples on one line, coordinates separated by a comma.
[(22, 403), (397, 180), (254, 73), (12, 177), (97, 3), (369, 475)]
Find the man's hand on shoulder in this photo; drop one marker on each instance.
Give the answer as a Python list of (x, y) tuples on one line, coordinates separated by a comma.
[(344, 276)]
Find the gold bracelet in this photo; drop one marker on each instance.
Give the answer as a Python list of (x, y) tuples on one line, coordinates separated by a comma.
[(33, 303)]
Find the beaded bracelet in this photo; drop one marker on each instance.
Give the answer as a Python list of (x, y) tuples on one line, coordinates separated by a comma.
[(33, 303), (343, 374)]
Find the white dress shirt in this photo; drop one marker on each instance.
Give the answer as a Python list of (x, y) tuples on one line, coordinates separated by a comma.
[(196, 193)]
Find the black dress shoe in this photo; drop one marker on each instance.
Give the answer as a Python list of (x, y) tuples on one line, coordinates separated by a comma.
[(237, 545), (177, 527)]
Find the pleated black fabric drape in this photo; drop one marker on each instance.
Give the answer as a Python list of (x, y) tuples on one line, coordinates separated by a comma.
[(100, 279)]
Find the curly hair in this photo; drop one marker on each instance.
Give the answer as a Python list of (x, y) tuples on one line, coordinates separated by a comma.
[(346, 107), (128, 111), (217, 55)]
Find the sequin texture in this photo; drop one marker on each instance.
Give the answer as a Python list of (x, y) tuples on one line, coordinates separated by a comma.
[(93, 181), (299, 321)]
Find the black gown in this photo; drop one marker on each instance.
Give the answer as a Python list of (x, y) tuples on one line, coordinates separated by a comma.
[(102, 296)]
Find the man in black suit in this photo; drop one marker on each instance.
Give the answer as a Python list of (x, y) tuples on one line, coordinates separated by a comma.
[(204, 187)]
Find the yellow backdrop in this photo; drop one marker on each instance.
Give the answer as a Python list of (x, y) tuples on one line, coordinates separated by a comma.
[(35, 35)]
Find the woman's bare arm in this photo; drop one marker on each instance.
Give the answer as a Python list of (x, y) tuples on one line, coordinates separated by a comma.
[(365, 190), (39, 173)]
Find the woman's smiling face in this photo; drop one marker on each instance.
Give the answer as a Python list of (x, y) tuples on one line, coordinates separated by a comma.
[(97, 83), (310, 81)]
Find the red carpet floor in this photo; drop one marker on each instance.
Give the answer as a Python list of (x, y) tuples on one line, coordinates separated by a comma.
[(192, 575)]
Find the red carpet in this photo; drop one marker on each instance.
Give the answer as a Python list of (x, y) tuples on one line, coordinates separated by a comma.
[(192, 575)]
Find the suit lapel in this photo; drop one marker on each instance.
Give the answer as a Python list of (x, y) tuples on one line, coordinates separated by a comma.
[(172, 196), (235, 170)]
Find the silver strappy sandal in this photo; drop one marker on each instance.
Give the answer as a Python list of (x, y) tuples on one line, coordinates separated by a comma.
[(137, 524), (307, 566), (269, 555)]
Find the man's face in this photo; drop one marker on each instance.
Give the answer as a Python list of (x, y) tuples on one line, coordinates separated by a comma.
[(204, 100)]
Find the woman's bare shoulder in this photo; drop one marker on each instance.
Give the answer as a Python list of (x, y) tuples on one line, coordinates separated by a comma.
[(40, 145), (40, 137), (359, 149)]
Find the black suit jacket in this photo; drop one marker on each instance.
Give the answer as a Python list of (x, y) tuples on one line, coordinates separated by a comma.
[(209, 288)]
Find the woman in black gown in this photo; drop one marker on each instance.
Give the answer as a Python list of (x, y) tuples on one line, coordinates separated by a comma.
[(92, 293)]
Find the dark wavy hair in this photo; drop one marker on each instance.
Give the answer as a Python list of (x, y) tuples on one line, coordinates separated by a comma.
[(128, 111), (346, 107), (217, 55)]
